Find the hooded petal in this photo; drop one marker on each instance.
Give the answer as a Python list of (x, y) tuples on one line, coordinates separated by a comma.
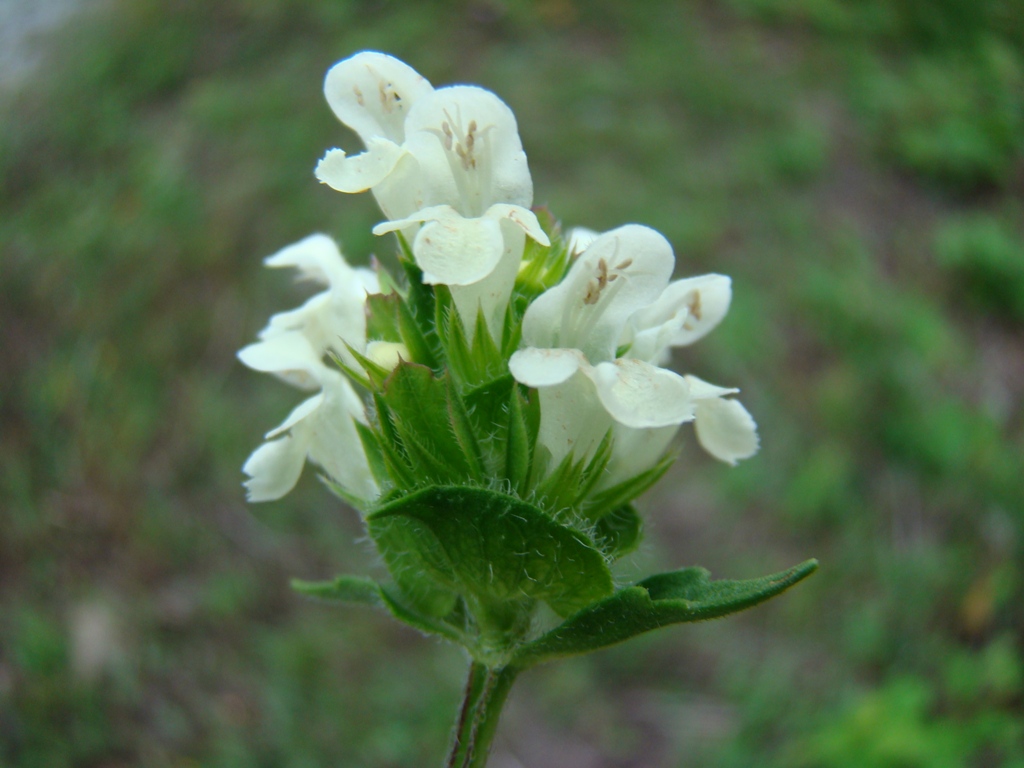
[(372, 93), (467, 143), (620, 272), (686, 311)]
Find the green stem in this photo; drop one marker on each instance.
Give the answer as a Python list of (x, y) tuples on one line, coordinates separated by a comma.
[(477, 722)]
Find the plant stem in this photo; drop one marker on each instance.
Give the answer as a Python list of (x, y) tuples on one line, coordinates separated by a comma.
[(477, 721)]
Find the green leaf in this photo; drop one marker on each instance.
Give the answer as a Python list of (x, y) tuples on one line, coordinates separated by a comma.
[(668, 598), (497, 548), (618, 533), (359, 590)]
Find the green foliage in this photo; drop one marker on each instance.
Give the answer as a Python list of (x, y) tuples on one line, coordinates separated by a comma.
[(668, 598), (985, 257), (494, 548)]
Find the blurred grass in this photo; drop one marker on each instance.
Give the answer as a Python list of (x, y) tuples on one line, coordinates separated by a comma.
[(857, 168)]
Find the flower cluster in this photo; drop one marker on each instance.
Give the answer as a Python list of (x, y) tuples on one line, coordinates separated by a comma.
[(584, 328)]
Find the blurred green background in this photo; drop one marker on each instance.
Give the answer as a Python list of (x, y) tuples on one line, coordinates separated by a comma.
[(857, 167)]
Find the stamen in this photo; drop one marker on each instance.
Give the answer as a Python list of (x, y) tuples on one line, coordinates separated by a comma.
[(359, 96)]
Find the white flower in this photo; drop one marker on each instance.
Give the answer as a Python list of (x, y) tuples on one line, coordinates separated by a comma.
[(592, 343), (372, 94), (448, 169), (292, 346), (321, 429), (332, 318)]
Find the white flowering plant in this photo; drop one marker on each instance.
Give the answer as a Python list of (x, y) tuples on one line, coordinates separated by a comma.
[(494, 408)]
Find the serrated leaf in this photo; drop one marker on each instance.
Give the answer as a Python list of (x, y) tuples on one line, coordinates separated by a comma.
[(358, 590), (669, 598), (618, 533), (499, 548)]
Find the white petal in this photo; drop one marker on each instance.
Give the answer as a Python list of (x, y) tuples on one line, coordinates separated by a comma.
[(726, 430), (580, 238), (572, 419), (316, 257), (707, 298), (333, 441), (457, 251), (358, 173), (702, 390), (635, 263), (302, 411), (538, 367), (638, 394), (491, 294), (273, 469), (523, 218), (686, 311), (635, 451), (281, 352), (431, 213), (479, 160), (372, 93)]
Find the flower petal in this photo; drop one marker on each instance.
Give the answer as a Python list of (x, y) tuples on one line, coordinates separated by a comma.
[(726, 429), (431, 213), (302, 411), (467, 142), (579, 239), (638, 394), (620, 272), (288, 351), (686, 311), (523, 218), (458, 251), (274, 469), (358, 173), (539, 367), (372, 93), (703, 390)]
